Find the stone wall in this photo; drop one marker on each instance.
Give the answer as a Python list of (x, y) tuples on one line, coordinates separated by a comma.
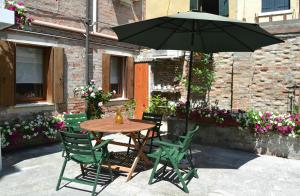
[(234, 138)]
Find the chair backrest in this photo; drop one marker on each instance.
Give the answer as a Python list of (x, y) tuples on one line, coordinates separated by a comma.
[(77, 144), (157, 118), (188, 138), (74, 120)]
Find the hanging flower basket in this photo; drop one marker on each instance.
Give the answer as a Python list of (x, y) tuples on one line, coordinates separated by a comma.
[(23, 19)]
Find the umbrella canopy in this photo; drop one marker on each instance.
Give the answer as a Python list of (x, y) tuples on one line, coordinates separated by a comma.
[(196, 31)]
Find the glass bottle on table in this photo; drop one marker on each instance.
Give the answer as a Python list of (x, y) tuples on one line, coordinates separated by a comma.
[(119, 117)]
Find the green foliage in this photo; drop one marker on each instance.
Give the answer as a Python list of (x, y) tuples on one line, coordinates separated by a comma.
[(203, 75), (130, 107), (160, 105)]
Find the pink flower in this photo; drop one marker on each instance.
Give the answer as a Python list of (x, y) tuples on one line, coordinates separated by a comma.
[(93, 81), (12, 8), (20, 3), (30, 19), (91, 89)]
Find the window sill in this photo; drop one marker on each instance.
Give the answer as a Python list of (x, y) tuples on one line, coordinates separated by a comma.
[(37, 104), (31, 107), (118, 99), (281, 12)]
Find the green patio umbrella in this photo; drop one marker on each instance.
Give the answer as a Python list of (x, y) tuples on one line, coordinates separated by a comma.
[(195, 31)]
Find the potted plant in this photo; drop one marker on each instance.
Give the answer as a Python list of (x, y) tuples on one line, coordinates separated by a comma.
[(95, 98)]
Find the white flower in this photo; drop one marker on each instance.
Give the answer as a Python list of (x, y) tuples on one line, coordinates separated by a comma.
[(93, 95), (114, 92), (81, 87), (6, 123), (93, 81), (99, 88), (91, 89), (279, 124), (100, 104)]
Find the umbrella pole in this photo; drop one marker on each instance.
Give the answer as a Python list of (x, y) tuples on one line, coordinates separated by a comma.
[(188, 103)]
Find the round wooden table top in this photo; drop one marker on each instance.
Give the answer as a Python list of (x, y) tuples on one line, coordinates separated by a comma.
[(108, 125)]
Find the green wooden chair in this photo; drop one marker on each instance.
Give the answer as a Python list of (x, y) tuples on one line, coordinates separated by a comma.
[(173, 153), (74, 120), (79, 148), (154, 132)]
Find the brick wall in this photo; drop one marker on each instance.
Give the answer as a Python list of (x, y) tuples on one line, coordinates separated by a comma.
[(260, 79), (71, 13), (257, 80)]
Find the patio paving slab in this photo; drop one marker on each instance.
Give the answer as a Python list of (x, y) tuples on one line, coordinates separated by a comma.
[(222, 172)]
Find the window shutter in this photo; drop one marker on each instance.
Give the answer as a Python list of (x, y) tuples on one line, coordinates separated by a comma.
[(48, 57), (105, 72), (7, 73), (223, 8), (58, 75), (55, 75), (130, 78)]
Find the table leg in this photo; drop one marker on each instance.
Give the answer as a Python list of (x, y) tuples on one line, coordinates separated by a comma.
[(140, 154), (98, 137)]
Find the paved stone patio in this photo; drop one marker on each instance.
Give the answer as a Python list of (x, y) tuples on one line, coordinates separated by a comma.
[(221, 172)]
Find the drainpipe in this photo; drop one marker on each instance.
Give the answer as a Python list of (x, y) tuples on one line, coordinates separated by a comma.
[(87, 43)]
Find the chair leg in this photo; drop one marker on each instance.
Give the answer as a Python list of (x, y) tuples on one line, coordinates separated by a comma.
[(154, 170), (151, 144), (82, 169), (189, 158), (128, 148), (96, 179), (158, 134), (61, 174), (175, 166), (110, 172)]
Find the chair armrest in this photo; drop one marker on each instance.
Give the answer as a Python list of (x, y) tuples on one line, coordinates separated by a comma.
[(102, 144), (162, 143), (182, 137)]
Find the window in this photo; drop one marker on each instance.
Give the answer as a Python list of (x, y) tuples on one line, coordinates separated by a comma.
[(275, 5), (219, 7), (30, 74), (30, 82), (117, 75), (195, 5)]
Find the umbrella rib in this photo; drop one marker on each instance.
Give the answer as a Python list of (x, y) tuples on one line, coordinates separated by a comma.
[(270, 36), (234, 37), (168, 37), (157, 25)]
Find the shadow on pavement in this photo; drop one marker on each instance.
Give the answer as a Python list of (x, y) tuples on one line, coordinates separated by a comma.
[(220, 158), (90, 175), (10, 159)]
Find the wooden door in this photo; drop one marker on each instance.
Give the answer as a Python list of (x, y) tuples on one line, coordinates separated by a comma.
[(141, 94)]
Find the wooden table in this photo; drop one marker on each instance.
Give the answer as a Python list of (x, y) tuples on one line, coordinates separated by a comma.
[(129, 127)]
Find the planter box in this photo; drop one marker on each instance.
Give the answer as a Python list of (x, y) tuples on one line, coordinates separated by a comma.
[(232, 137), (39, 140)]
